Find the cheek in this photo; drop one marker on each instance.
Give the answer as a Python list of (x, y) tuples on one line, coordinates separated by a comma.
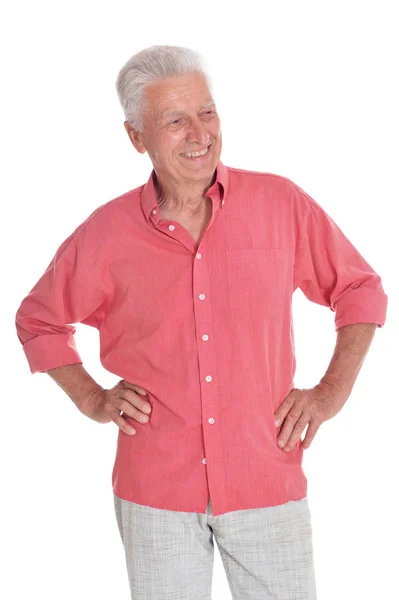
[(216, 131), (173, 144), (167, 151)]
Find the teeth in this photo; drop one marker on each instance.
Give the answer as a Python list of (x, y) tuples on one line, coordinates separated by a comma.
[(196, 153)]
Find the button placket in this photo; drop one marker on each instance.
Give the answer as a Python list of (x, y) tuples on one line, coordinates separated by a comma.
[(207, 360), (181, 234)]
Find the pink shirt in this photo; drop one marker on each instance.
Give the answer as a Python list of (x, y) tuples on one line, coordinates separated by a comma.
[(206, 329)]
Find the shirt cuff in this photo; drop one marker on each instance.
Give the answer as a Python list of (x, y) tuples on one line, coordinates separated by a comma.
[(45, 352), (362, 305)]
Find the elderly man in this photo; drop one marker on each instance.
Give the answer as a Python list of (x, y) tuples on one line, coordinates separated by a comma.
[(189, 280)]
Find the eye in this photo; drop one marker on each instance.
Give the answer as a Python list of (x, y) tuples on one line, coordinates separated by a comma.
[(176, 121)]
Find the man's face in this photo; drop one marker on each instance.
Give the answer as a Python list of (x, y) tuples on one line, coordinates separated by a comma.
[(180, 117)]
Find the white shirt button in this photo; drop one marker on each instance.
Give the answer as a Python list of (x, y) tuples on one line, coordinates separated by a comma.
[(204, 461), (201, 296), (154, 211), (199, 254), (208, 378), (205, 338), (171, 227), (211, 420)]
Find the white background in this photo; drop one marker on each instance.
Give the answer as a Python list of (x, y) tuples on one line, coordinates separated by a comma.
[(304, 89)]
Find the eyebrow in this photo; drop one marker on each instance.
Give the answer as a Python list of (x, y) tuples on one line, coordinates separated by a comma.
[(168, 113)]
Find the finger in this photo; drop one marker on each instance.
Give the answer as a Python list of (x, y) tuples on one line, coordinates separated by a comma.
[(133, 412), (284, 408), (296, 432), (287, 427), (132, 386), (310, 433), (124, 425), (136, 401)]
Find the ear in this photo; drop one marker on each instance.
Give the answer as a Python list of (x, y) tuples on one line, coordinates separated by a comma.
[(135, 137)]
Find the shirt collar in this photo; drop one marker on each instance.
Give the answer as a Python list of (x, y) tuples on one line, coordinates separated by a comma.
[(218, 189)]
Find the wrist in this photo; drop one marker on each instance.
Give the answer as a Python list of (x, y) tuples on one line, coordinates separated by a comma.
[(89, 400), (335, 387)]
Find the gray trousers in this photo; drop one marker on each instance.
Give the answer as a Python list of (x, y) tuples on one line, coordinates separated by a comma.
[(267, 553)]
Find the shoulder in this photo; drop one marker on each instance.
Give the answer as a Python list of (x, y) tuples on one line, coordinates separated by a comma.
[(106, 217), (261, 179), (281, 186)]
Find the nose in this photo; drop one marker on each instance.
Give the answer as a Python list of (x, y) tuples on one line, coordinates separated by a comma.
[(198, 133)]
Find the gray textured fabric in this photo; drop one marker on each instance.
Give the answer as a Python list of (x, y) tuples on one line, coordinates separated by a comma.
[(267, 552)]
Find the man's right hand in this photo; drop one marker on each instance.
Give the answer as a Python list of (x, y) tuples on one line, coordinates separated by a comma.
[(106, 405)]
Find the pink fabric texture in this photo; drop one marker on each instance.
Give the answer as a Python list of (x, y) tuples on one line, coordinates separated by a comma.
[(205, 328)]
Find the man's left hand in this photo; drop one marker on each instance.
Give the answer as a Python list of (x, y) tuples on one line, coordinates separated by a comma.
[(306, 407)]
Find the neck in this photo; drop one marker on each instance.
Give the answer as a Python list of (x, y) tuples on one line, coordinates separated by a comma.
[(176, 198)]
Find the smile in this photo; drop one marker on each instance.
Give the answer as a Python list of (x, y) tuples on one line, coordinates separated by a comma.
[(195, 154)]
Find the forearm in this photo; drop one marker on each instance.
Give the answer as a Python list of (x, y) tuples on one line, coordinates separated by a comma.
[(76, 382), (353, 343)]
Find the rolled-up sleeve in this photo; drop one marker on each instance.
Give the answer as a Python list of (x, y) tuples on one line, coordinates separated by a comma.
[(330, 271), (66, 293)]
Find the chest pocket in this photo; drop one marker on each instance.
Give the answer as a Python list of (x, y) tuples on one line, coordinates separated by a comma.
[(256, 280)]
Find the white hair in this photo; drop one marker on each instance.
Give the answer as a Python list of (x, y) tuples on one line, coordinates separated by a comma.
[(148, 66)]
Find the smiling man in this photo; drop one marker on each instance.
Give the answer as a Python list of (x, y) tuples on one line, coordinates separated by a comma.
[(182, 135), (189, 279)]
